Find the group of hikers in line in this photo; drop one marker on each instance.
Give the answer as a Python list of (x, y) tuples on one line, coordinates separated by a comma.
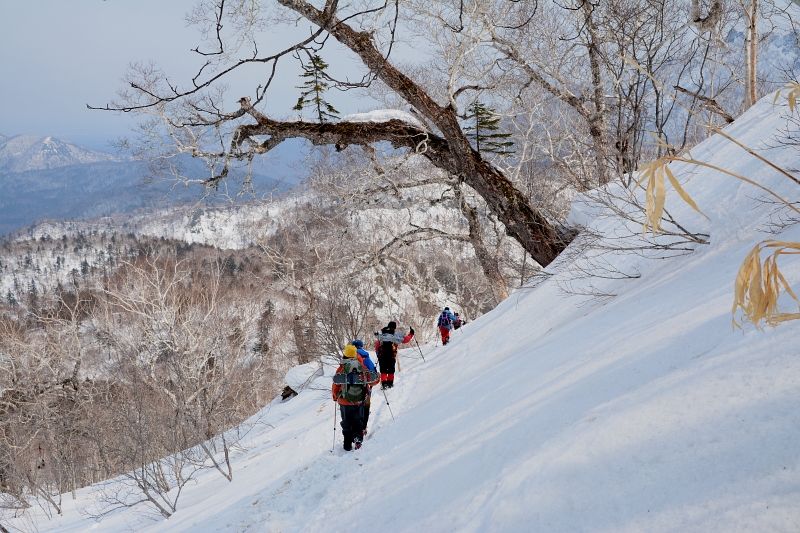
[(357, 374)]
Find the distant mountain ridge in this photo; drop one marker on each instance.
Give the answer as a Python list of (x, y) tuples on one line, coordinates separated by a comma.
[(46, 177), (49, 178), (22, 153)]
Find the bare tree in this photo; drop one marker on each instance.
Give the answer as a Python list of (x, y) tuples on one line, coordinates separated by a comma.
[(751, 12), (191, 345), (42, 409), (196, 118), (365, 180)]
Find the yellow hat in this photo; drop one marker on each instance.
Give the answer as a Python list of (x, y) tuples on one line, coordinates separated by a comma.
[(350, 351)]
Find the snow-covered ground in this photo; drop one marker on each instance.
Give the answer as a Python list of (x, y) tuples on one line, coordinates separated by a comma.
[(644, 412)]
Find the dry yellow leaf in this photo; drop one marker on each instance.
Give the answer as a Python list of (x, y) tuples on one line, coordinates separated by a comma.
[(757, 289), (656, 192), (792, 97)]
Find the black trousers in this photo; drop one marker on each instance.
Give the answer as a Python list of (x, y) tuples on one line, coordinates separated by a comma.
[(352, 423), (386, 363)]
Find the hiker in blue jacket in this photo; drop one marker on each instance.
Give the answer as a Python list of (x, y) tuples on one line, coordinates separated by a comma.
[(352, 394), (446, 320), (369, 365)]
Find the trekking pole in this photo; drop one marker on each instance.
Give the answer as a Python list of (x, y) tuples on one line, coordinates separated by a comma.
[(387, 403), (418, 347), (333, 447)]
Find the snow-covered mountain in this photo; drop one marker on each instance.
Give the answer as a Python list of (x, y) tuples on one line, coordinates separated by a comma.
[(647, 411), (22, 153), (48, 178)]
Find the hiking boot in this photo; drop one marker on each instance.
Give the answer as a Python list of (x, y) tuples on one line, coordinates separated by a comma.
[(357, 443), (347, 446)]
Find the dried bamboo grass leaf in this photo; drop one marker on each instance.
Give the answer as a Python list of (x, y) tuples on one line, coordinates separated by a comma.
[(792, 96), (659, 142), (660, 196), (757, 290), (682, 193), (742, 279), (649, 202), (738, 176), (656, 192), (783, 317), (742, 285)]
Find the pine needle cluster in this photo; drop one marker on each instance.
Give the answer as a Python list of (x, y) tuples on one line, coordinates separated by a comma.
[(485, 131), (315, 86)]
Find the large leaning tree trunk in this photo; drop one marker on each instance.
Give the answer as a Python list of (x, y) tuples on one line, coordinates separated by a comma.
[(447, 147), (452, 152)]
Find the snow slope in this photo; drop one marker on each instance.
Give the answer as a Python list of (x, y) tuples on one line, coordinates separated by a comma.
[(384, 115), (644, 412)]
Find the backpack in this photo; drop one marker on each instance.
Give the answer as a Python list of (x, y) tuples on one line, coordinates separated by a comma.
[(386, 347), (444, 320), (354, 379)]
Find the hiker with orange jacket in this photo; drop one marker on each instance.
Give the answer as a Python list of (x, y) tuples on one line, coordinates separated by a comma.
[(350, 388), (386, 349)]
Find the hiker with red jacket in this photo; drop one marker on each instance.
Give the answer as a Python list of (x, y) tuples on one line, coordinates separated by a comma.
[(386, 349), (350, 388), (446, 320)]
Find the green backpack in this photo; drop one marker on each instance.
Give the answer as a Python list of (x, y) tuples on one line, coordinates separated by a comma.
[(354, 378)]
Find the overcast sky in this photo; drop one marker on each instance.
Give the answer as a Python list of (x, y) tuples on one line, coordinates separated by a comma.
[(58, 55)]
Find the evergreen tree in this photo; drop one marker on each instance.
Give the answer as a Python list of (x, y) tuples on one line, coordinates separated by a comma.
[(263, 329), (315, 85), (485, 131), (33, 294), (10, 298)]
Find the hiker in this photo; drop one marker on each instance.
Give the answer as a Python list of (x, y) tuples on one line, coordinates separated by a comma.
[(386, 349), (350, 389), (458, 322), (446, 319), (363, 356)]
